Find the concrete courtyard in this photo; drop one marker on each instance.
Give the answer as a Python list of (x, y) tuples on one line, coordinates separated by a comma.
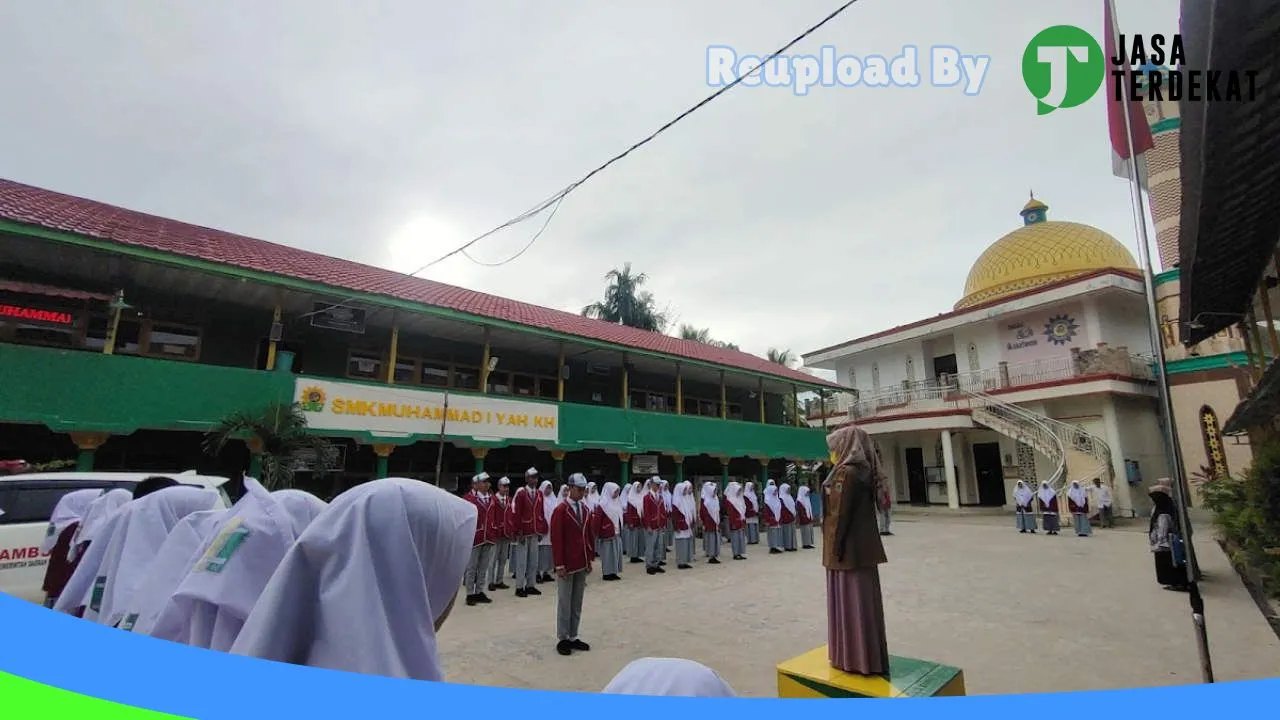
[(1018, 613)]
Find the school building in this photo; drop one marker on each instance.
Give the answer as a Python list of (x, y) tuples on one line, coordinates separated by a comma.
[(125, 337)]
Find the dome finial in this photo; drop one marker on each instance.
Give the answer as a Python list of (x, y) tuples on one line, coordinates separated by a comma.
[(1034, 211)]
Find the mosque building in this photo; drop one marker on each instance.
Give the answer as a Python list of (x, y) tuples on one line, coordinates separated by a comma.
[(1041, 372)]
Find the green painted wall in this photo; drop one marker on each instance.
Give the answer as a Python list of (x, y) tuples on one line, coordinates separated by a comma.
[(75, 390)]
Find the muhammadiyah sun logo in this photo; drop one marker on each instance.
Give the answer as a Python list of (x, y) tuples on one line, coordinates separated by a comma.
[(312, 399), (1061, 329)]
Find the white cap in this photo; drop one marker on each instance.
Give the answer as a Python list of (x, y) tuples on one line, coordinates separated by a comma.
[(531, 471), (577, 480), (482, 477), (503, 480)]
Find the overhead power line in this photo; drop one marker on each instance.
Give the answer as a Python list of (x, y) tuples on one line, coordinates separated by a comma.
[(554, 201)]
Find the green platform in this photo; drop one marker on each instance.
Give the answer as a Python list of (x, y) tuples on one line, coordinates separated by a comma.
[(811, 676)]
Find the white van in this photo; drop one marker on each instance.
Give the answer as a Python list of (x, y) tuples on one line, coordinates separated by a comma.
[(28, 501)]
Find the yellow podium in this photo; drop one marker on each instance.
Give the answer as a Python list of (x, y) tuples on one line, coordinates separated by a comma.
[(811, 676)]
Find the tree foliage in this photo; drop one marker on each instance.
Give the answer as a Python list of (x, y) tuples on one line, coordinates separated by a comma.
[(626, 303), (277, 431)]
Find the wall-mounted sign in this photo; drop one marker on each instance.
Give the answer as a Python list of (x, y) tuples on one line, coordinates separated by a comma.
[(304, 460), (391, 411), (30, 314), (1035, 336), (644, 465), (343, 319)]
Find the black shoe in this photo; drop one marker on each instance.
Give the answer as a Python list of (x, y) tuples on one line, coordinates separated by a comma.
[(775, 551), (739, 557), (713, 561), (564, 647), (1033, 532), (791, 549), (521, 592), (611, 577), (684, 566), (1022, 532), (483, 599), (636, 560), (651, 571), (471, 600), (501, 586), (662, 563), (531, 590), (579, 645), (493, 586), (810, 547)]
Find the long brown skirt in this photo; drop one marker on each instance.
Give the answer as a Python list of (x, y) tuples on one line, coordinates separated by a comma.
[(856, 640)]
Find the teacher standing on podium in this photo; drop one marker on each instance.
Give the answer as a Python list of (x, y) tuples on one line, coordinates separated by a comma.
[(572, 552)]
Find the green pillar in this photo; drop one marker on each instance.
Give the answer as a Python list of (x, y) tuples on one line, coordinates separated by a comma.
[(87, 443), (84, 461), (380, 467), (679, 469), (255, 466), (625, 468), (764, 474), (724, 474), (560, 469)]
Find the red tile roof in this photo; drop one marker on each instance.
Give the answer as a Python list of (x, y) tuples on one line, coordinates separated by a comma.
[(54, 211)]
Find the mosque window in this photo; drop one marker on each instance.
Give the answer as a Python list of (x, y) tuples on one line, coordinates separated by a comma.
[(911, 369), (1211, 432), (974, 364), (875, 376)]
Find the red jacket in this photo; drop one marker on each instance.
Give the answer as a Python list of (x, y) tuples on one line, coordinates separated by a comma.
[(654, 511), (572, 545), (630, 517), (496, 520), (736, 520), (1049, 507), (1075, 507), (525, 507), (59, 570), (752, 511), (509, 520), (802, 515), (708, 522), (482, 517), (770, 520), (787, 515), (681, 522), (602, 527), (540, 515)]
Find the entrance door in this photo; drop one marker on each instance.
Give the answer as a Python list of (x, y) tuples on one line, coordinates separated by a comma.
[(917, 488), (990, 472), (945, 365)]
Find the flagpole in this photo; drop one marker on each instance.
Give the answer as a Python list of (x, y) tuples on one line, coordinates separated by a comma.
[(1157, 343), (444, 418)]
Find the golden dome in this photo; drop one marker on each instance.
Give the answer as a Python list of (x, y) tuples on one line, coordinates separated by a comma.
[(1042, 252)]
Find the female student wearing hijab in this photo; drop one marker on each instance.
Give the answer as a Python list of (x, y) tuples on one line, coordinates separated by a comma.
[(96, 519), (528, 521), (674, 677), (368, 584), (571, 543), (1078, 506), (668, 534), (592, 498), (63, 524), (753, 514), (175, 559), (632, 506), (709, 518), (548, 500), (653, 520), (684, 515), (804, 518), (499, 509), (772, 514), (482, 542), (606, 524), (232, 567), (1025, 514), (1048, 498), (787, 521), (736, 519), (1171, 571)]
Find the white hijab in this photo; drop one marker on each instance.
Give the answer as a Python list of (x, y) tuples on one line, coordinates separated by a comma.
[(734, 495), (1022, 494), (710, 501), (549, 500), (784, 493), (611, 501), (749, 493), (139, 530), (71, 508), (593, 497), (803, 500), (1077, 493), (220, 584), (170, 565), (771, 500), (666, 494), (668, 676), (1046, 493), (635, 497), (95, 518), (365, 585), (684, 502)]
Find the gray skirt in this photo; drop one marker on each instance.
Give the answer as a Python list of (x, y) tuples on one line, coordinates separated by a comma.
[(610, 552), (711, 543), (806, 535), (546, 562), (684, 550), (789, 536), (753, 531), (1026, 521), (1082, 526), (774, 537), (738, 542), (1052, 523)]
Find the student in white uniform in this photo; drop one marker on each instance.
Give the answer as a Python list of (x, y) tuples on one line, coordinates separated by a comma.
[(668, 676), (368, 584)]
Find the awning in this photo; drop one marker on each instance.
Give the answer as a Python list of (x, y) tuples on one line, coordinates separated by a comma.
[(26, 288), (1230, 165), (1262, 406)]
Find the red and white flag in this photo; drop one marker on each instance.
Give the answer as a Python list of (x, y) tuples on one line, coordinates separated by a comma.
[(1140, 140)]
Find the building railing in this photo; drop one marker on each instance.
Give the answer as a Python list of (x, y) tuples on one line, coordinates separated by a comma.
[(1079, 365)]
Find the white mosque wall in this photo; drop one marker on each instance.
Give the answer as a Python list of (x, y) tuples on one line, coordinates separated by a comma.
[(1122, 322)]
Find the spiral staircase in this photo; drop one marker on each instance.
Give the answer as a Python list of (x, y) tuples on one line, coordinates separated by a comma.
[(1076, 454)]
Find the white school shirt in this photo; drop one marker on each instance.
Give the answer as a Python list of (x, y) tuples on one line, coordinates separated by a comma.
[(668, 676)]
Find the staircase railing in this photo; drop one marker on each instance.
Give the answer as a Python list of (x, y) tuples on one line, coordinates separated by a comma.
[(1031, 428)]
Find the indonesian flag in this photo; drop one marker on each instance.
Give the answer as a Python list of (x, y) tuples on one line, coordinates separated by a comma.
[(1141, 140)]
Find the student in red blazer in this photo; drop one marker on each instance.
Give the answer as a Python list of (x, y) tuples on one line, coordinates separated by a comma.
[(526, 510), (753, 514), (736, 518), (771, 512), (499, 509), (652, 518), (606, 528), (572, 552), (709, 519), (633, 531), (482, 543)]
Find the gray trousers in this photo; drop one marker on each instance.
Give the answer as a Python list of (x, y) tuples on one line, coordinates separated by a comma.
[(501, 553), (652, 544), (478, 568), (738, 542), (545, 561), (1106, 517), (684, 550), (711, 542), (526, 561), (569, 592)]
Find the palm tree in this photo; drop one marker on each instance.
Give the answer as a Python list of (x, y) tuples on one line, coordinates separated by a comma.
[(781, 357), (275, 435), (625, 303), (702, 335), (725, 345)]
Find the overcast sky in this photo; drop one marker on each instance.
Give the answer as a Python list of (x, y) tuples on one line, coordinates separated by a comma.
[(389, 132)]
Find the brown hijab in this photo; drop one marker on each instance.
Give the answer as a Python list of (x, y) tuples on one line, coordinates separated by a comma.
[(851, 445)]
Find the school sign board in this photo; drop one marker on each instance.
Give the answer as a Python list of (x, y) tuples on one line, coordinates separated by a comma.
[(392, 411)]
